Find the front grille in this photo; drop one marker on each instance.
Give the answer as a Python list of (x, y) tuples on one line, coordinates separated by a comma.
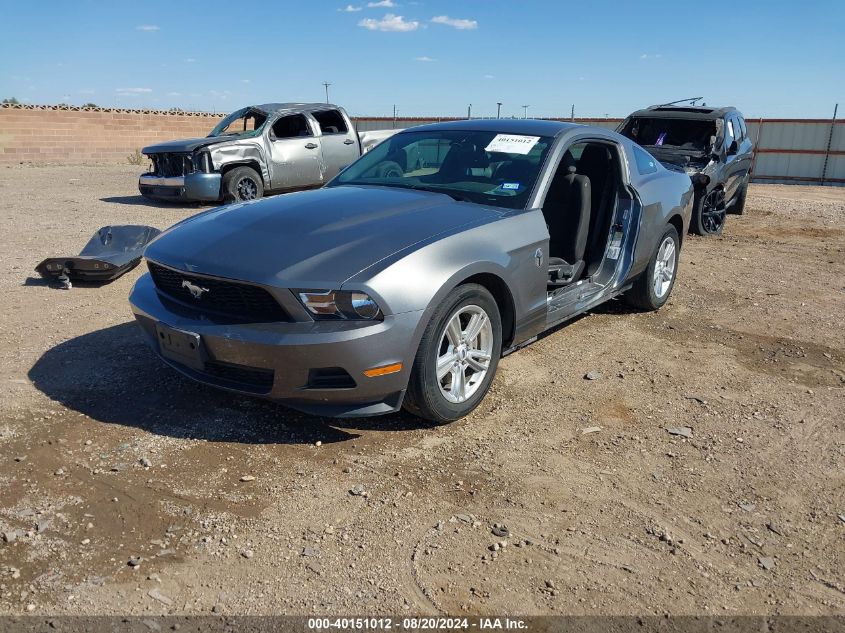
[(240, 376), (243, 302), (169, 165)]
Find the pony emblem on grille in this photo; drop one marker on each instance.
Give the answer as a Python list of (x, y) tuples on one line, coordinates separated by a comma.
[(195, 290)]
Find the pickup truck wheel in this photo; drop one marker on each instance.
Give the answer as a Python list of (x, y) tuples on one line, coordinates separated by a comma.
[(242, 184), (738, 207), (708, 212), (457, 357), (652, 289)]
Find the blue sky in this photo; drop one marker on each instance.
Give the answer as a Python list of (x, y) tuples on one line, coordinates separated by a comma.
[(429, 57)]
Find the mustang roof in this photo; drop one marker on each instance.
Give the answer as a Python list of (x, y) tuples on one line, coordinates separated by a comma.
[(684, 112), (530, 127)]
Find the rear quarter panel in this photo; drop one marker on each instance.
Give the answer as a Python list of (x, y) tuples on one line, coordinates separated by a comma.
[(664, 195)]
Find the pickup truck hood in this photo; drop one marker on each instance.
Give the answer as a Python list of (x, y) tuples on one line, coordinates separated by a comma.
[(315, 239), (184, 145)]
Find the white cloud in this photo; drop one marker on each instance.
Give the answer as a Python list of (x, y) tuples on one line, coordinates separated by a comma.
[(132, 92), (190, 60), (424, 58), (382, 4), (65, 98), (390, 22), (245, 81), (648, 56), (148, 27), (489, 76), (349, 9), (460, 24), (86, 92), (174, 94)]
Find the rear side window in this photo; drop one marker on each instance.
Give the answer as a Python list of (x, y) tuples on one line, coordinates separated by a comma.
[(729, 133), (742, 126), (646, 163), (331, 122)]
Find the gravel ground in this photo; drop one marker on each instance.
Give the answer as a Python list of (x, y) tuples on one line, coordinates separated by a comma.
[(128, 489)]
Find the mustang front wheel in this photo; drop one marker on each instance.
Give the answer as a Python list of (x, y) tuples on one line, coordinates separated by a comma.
[(457, 357)]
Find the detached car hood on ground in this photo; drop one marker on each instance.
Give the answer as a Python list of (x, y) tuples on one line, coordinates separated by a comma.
[(315, 238), (186, 145)]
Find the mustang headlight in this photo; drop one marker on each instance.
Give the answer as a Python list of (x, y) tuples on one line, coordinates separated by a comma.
[(339, 304)]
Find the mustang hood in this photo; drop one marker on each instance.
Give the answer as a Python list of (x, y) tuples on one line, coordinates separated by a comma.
[(185, 145), (315, 239)]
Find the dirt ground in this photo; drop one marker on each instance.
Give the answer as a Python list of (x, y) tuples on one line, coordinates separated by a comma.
[(108, 459)]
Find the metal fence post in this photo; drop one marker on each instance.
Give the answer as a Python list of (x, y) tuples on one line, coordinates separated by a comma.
[(829, 143), (756, 148)]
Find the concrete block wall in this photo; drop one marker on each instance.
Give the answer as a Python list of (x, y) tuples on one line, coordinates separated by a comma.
[(44, 136)]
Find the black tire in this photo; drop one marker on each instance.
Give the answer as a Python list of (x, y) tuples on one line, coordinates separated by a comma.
[(643, 294), (425, 396), (242, 184), (708, 212), (738, 207)]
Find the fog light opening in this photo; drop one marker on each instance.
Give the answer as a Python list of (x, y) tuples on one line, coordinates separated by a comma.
[(383, 371)]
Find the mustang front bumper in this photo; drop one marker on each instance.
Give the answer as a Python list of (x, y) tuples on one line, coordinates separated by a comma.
[(315, 366), (196, 186)]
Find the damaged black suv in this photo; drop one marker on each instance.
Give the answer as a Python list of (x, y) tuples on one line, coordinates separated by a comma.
[(710, 144)]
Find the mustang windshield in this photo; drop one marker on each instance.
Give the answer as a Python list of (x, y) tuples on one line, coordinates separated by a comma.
[(476, 166), (245, 122)]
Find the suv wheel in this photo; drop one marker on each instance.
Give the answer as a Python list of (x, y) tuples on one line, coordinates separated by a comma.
[(708, 214), (241, 184), (457, 357)]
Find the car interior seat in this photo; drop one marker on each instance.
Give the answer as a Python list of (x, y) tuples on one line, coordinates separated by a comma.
[(460, 160), (596, 163), (567, 213)]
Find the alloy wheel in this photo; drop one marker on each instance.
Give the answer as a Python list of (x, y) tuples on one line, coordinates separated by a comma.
[(466, 347), (664, 267), (247, 189), (713, 211)]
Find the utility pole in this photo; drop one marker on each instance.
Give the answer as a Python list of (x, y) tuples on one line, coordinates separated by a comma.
[(327, 84), (525, 111), (394, 115), (469, 111), (498, 109), (572, 113)]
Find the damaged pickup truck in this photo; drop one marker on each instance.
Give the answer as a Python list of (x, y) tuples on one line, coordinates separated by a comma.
[(259, 149), (710, 144)]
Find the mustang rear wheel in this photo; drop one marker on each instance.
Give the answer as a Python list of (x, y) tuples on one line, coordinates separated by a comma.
[(457, 357), (652, 289), (242, 184), (708, 214)]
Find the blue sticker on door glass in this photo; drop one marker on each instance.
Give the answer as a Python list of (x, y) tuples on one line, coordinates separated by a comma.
[(510, 185)]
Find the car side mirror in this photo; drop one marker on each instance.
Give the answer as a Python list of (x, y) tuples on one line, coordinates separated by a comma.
[(733, 148)]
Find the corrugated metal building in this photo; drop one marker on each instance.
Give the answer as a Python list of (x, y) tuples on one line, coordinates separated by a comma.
[(790, 151)]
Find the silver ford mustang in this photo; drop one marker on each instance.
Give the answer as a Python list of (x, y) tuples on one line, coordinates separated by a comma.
[(403, 281)]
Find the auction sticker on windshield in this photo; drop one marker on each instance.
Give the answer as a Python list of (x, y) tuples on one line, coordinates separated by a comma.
[(512, 143)]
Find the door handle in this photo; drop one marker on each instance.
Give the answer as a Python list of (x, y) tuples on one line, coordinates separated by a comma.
[(311, 146), (348, 141)]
